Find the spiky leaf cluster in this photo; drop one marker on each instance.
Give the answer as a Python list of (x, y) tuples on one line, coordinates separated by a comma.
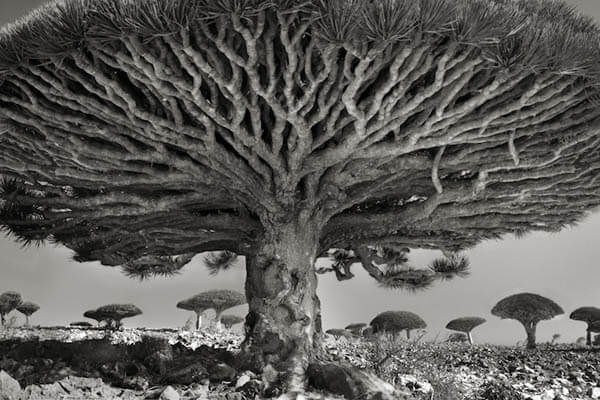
[(218, 261), (449, 267), (147, 267)]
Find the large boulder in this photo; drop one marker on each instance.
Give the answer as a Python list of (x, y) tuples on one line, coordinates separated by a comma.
[(9, 387)]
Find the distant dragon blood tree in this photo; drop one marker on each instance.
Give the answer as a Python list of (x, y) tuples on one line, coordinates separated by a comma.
[(465, 325), (529, 309), (9, 301), (141, 133), (589, 315), (27, 308), (217, 300)]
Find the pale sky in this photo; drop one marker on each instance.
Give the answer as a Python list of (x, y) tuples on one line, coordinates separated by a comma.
[(561, 266)]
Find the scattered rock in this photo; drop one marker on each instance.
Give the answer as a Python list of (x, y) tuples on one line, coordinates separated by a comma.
[(242, 380), (222, 372), (9, 387), (169, 394), (594, 392)]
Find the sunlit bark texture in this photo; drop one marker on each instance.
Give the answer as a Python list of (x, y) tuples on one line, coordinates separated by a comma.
[(141, 133)]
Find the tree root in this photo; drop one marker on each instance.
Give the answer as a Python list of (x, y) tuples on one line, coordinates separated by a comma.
[(352, 383)]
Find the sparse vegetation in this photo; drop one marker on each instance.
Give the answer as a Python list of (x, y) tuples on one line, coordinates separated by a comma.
[(457, 337), (528, 309)]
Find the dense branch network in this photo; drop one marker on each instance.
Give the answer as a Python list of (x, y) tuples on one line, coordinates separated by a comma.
[(180, 135)]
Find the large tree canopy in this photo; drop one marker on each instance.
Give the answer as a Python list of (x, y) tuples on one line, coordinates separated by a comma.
[(165, 128)]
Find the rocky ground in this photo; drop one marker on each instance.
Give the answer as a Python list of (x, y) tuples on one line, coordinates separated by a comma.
[(55, 363)]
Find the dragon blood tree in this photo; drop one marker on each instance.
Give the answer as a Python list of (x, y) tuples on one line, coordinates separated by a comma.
[(9, 301), (529, 309), (114, 313), (465, 325), (144, 132), (27, 308), (589, 315), (217, 300), (395, 322)]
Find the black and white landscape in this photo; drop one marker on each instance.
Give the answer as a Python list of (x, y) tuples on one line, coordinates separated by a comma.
[(300, 199)]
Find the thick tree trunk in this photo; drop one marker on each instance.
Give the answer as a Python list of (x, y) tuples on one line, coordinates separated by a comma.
[(27, 320), (283, 321), (470, 338), (588, 337), (530, 329), (408, 334), (198, 321)]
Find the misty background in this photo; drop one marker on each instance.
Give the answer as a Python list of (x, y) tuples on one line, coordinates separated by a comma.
[(563, 266)]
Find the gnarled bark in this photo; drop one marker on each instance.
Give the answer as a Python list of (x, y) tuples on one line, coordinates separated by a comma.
[(530, 330), (283, 322)]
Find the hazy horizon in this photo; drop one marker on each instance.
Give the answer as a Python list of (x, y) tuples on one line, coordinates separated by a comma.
[(560, 266)]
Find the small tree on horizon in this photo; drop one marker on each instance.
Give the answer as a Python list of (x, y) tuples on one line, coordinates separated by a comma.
[(528, 309), (112, 314), (397, 321), (27, 308), (218, 300), (589, 315), (139, 133), (465, 325), (9, 301)]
